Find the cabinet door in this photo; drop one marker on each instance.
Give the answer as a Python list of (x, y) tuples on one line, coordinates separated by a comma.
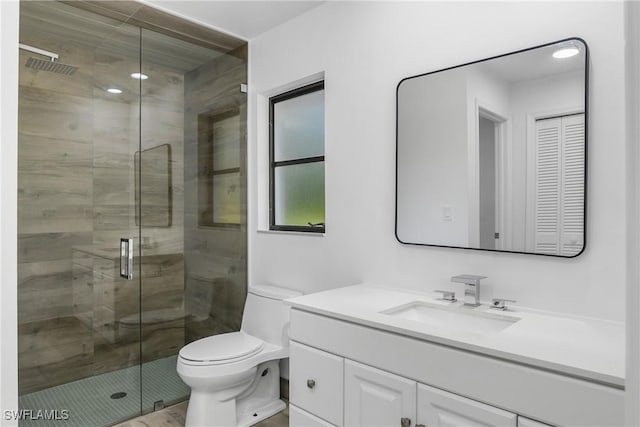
[(301, 418), (437, 408), (377, 398), (526, 422), (316, 382)]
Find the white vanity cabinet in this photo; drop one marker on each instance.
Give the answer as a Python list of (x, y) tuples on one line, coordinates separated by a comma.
[(344, 373), (373, 397), (376, 398), (438, 408), (302, 418), (316, 382)]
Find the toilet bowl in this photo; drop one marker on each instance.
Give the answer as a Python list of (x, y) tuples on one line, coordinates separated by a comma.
[(235, 377)]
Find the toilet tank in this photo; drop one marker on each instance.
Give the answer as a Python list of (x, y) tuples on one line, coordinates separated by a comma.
[(266, 316)]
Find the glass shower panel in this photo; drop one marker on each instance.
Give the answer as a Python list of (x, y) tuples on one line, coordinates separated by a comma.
[(162, 317), (137, 135), (193, 274), (78, 132)]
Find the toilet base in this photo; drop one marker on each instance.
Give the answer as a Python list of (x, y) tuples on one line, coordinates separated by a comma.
[(261, 413), (241, 399)]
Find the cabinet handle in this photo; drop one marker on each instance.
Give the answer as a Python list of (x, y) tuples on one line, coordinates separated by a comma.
[(311, 383), (405, 422)]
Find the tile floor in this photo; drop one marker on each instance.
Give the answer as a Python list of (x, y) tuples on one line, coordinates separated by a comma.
[(174, 416), (88, 400)]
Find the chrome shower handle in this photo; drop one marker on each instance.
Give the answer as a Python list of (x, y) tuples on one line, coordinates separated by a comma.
[(126, 258)]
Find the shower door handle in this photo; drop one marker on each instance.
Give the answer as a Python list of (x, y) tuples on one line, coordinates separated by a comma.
[(126, 258)]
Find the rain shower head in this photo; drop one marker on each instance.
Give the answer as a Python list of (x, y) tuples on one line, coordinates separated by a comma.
[(54, 67), (42, 65)]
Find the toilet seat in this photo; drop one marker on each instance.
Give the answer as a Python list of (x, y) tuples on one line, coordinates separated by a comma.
[(219, 349)]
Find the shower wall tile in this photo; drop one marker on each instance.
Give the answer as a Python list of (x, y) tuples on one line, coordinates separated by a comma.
[(82, 287), (215, 257), (54, 194), (45, 289), (49, 246), (115, 124), (53, 352), (52, 217), (163, 123), (60, 116)]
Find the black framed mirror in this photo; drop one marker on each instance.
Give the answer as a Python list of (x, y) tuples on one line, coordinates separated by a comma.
[(492, 154)]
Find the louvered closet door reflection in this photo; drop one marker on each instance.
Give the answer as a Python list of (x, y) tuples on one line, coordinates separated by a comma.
[(572, 200), (559, 185), (547, 185)]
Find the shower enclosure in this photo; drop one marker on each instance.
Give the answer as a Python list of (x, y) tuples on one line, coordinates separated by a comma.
[(135, 131)]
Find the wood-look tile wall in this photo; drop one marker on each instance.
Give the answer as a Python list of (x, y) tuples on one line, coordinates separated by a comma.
[(76, 199), (77, 144), (215, 257)]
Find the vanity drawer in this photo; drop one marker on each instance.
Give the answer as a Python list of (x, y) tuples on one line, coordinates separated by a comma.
[(301, 418), (316, 382)]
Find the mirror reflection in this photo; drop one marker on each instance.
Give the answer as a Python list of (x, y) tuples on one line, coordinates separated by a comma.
[(491, 155)]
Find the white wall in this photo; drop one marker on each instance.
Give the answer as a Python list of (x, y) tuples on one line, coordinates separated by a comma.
[(364, 50), (632, 385), (433, 152), (9, 17)]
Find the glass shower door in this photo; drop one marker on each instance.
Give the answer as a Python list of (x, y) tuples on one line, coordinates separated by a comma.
[(136, 138), (78, 134), (192, 188)]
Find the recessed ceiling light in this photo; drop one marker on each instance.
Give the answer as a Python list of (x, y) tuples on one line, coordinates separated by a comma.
[(566, 52), (139, 76), (114, 90)]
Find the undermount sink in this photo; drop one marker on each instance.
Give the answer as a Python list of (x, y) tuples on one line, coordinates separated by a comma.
[(457, 317)]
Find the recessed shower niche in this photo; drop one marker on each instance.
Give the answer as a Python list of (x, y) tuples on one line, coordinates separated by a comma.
[(108, 149)]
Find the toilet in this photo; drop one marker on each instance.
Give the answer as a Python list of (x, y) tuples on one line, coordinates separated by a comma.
[(235, 377)]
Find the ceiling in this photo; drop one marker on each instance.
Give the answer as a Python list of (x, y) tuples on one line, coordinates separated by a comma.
[(535, 63), (242, 18)]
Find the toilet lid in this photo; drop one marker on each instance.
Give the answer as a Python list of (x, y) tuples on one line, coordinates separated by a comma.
[(222, 347)]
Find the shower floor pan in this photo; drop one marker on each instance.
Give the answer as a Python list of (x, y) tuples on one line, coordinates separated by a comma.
[(88, 402)]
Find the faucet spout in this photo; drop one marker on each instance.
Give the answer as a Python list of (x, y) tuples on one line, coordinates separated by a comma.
[(471, 288)]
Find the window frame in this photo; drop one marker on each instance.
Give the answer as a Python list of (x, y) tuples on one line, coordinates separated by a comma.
[(294, 93)]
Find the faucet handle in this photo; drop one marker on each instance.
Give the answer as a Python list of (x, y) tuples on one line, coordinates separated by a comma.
[(468, 279), (447, 296), (499, 303)]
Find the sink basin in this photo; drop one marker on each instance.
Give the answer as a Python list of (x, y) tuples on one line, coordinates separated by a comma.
[(458, 317)]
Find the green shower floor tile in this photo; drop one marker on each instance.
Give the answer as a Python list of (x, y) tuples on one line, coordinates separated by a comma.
[(88, 401)]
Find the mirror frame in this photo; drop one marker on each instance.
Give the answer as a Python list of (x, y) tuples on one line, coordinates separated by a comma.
[(586, 145)]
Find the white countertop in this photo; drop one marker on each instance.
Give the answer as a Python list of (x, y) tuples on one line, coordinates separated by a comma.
[(588, 348)]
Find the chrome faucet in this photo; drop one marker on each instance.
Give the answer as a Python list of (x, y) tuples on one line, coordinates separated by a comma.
[(471, 288)]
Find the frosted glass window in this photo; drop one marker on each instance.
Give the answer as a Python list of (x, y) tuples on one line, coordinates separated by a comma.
[(299, 128), (297, 159), (301, 194)]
